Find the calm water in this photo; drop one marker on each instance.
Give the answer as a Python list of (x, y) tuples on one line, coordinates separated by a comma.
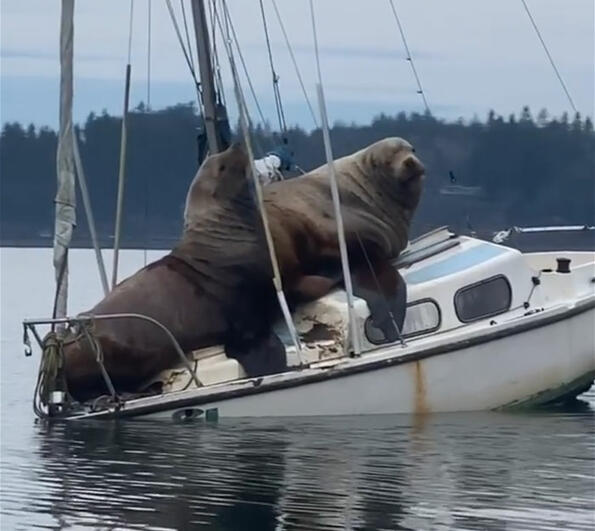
[(456, 471)]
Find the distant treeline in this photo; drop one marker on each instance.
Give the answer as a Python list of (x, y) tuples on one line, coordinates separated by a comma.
[(481, 175)]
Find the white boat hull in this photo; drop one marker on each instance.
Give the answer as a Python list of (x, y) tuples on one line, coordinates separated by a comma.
[(524, 366), (486, 327)]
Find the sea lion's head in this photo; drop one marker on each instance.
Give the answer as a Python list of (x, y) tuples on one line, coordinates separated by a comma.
[(221, 181), (395, 171)]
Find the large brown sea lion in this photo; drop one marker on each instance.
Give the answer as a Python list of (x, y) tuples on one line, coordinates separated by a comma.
[(213, 288), (380, 187)]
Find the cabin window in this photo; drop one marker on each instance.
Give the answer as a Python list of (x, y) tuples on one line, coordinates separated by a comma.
[(421, 317), (483, 299)]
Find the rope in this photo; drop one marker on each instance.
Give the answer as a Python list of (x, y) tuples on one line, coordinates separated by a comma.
[(50, 374), (549, 56), (87, 330), (276, 91), (295, 65), (409, 57)]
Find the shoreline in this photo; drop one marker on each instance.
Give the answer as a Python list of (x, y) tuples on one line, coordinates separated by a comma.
[(106, 245), (563, 241)]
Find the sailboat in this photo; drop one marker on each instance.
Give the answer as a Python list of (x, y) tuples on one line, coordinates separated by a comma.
[(486, 327)]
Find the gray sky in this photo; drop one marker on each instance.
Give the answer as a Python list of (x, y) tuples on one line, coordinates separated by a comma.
[(471, 55)]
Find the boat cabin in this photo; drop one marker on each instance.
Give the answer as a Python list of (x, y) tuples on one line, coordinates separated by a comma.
[(452, 282)]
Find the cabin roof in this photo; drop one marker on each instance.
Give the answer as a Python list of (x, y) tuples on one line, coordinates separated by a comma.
[(454, 263)]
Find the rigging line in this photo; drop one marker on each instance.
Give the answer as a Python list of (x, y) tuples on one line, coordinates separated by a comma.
[(336, 198), (276, 91), (146, 205), (244, 125), (187, 33), (315, 42), (409, 57), (122, 163), (188, 61), (149, 56), (295, 65), (180, 39), (214, 55), (549, 56), (379, 288), (228, 47), (130, 30), (244, 67)]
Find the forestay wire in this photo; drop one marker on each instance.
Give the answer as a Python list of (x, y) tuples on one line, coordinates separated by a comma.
[(409, 57), (295, 65), (549, 56), (275, 76)]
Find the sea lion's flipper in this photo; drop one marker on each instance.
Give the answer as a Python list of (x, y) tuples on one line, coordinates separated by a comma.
[(385, 292), (258, 358)]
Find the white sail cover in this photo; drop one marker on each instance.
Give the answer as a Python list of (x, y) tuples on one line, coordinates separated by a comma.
[(65, 195)]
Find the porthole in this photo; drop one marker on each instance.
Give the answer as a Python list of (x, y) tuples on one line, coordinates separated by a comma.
[(422, 317), (486, 298)]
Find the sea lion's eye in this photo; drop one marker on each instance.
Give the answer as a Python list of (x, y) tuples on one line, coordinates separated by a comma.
[(222, 167), (412, 150)]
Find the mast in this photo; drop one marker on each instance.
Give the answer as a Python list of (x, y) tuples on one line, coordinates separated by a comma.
[(207, 81), (65, 218)]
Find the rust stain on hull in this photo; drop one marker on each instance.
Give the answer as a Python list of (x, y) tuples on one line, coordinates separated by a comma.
[(421, 408)]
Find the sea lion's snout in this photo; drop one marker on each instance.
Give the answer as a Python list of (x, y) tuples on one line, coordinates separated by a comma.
[(413, 167), (236, 154), (237, 147)]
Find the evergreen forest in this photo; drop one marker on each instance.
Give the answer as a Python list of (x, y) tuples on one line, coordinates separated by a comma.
[(482, 175)]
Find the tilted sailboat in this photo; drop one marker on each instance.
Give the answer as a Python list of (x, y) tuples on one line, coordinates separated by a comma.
[(485, 327)]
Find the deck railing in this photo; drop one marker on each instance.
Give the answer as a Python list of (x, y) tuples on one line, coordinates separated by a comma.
[(83, 321)]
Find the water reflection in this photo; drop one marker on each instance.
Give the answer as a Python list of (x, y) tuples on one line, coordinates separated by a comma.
[(469, 471), (464, 471)]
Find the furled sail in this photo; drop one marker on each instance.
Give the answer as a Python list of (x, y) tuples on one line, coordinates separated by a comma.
[(65, 219)]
